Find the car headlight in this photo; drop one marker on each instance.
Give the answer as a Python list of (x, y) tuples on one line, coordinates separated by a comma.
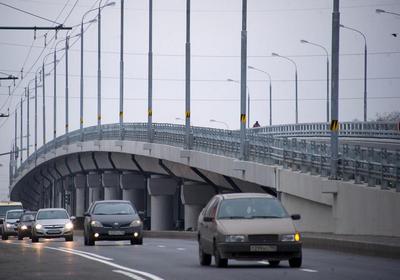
[(290, 237), (69, 225), (136, 223), (38, 226), (24, 227), (96, 224), (8, 225), (235, 238)]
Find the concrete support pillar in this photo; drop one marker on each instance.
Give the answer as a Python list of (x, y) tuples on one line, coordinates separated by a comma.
[(80, 185), (69, 189), (133, 189), (95, 187), (111, 184), (161, 190), (194, 197)]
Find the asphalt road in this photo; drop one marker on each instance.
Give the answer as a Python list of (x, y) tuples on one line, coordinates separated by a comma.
[(171, 259)]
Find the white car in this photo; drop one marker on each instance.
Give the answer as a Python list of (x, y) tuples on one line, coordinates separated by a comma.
[(53, 223), (10, 223)]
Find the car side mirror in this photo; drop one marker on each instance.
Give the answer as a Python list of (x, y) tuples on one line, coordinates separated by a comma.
[(17, 221), (208, 219), (73, 218), (295, 217), (1, 221), (87, 214)]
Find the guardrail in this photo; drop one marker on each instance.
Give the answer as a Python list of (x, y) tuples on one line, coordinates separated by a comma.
[(361, 164), (387, 130)]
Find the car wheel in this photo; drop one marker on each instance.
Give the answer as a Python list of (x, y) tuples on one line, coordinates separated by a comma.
[(219, 262), (273, 263), (35, 239), (20, 237), (135, 241), (204, 259), (4, 237), (85, 241), (295, 262), (69, 238)]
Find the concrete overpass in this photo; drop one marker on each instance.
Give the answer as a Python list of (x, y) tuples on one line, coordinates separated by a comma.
[(170, 182)]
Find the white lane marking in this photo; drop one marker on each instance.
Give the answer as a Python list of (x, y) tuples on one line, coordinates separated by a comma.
[(263, 262), (308, 270), (87, 253), (130, 275), (180, 249), (161, 246), (145, 274)]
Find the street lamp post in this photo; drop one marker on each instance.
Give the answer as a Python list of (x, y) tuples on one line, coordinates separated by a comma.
[(365, 67), (21, 143), (81, 75), (187, 77), (270, 91), (243, 83), (224, 123), (327, 74), (150, 76), (121, 75), (27, 122), (248, 100), (295, 83)]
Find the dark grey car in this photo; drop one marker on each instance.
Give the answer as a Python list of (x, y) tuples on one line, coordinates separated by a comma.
[(112, 220)]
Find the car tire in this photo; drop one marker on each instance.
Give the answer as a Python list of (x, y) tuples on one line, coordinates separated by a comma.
[(135, 241), (69, 238), (219, 262), (295, 262), (4, 237), (204, 258), (274, 263), (20, 237), (35, 239), (85, 241)]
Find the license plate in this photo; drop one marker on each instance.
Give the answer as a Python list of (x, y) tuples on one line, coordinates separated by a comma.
[(53, 232), (263, 248), (116, 232)]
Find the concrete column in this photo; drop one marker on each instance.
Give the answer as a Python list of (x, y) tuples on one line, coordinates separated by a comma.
[(111, 184), (194, 197), (80, 185), (95, 187), (68, 191), (161, 190), (133, 189)]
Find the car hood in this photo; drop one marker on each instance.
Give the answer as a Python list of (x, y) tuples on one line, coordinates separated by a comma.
[(257, 226), (27, 223), (53, 222), (121, 219), (11, 221)]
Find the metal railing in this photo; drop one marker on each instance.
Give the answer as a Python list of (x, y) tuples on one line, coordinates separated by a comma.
[(359, 163)]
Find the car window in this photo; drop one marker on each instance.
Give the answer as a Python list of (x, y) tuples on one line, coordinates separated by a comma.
[(14, 215), (113, 209), (28, 217), (52, 214), (211, 211), (251, 208), (5, 208)]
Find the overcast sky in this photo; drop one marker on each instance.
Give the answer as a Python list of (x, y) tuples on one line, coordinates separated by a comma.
[(273, 26)]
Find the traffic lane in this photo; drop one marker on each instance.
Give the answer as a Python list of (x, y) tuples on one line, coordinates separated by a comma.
[(177, 259), (21, 260)]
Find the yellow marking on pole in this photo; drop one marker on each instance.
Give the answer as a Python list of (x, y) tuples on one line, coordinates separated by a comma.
[(243, 118), (121, 114), (150, 112), (334, 125), (81, 120), (187, 114), (98, 117)]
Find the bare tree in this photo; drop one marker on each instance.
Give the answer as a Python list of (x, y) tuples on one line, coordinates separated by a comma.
[(388, 117)]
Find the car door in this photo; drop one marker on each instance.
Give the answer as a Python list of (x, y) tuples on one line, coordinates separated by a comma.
[(209, 225)]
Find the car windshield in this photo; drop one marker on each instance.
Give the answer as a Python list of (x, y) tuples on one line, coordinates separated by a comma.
[(251, 208), (27, 217), (5, 208), (113, 209), (52, 214), (14, 215)]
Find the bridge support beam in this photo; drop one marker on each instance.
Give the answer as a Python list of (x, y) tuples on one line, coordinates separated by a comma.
[(111, 185), (80, 187), (133, 189), (95, 186), (161, 190), (194, 197)]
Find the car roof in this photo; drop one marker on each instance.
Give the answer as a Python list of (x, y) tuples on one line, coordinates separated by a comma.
[(112, 201), (15, 210), (51, 209), (245, 195)]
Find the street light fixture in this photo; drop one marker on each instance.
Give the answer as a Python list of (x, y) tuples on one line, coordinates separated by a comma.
[(327, 74), (270, 90), (248, 100), (380, 11), (295, 81), (365, 66), (224, 123)]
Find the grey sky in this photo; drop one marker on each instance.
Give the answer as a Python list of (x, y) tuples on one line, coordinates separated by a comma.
[(273, 26)]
